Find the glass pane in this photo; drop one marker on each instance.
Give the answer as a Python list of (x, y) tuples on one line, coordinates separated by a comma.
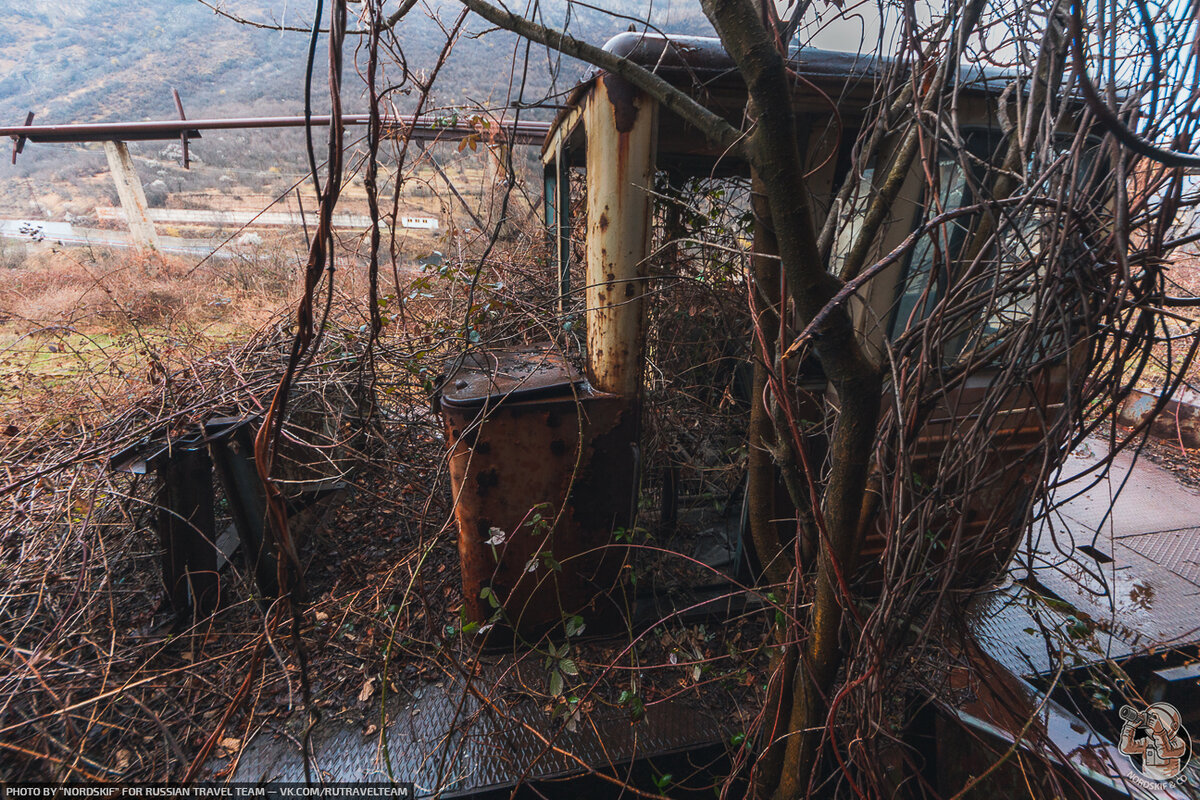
[(920, 292), (853, 221)]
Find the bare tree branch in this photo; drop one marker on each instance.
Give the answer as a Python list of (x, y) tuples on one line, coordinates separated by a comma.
[(1106, 115), (713, 126)]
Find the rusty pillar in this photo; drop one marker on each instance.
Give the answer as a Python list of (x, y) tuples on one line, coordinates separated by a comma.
[(622, 125)]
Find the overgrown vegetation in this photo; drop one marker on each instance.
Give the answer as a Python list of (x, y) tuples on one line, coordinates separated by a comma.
[(829, 657)]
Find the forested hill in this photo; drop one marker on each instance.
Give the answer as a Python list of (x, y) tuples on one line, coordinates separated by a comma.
[(88, 60)]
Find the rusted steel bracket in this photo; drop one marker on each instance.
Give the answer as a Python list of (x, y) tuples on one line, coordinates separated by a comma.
[(231, 443), (19, 141), (187, 530), (183, 134)]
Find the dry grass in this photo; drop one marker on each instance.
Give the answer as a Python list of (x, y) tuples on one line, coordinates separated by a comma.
[(117, 290)]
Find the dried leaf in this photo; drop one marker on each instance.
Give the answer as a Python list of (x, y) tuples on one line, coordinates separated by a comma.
[(368, 689)]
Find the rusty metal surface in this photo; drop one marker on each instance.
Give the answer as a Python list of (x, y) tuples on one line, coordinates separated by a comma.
[(514, 373), (187, 531), (1179, 420), (445, 739), (539, 485), (1012, 430), (622, 124)]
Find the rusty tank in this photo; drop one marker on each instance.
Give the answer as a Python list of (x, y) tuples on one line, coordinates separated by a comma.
[(543, 474)]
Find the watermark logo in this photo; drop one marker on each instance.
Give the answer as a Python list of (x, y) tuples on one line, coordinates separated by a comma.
[(1156, 742)]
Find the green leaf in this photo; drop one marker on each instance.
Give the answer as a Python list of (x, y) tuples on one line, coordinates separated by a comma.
[(568, 667), (637, 709), (556, 683)]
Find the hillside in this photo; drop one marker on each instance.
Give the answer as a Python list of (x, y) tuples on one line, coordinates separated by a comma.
[(94, 60)]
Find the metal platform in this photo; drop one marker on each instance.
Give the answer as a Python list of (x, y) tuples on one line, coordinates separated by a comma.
[(1134, 586), (460, 736), (448, 740)]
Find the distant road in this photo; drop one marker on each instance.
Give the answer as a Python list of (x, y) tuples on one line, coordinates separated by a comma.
[(48, 233), (41, 232), (235, 219)]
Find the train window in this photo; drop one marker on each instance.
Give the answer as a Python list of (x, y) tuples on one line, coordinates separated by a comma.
[(927, 276), (1001, 284), (858, 203)]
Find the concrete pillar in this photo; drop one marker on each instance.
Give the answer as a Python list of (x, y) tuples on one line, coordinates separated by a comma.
[(133, 198), (622, 126)]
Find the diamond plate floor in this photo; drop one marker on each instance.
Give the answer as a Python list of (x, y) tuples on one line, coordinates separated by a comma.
[(1142, 592), (448, 741)]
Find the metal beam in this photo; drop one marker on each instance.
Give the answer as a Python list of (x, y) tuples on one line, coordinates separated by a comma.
[(423, 127), (187, 531)]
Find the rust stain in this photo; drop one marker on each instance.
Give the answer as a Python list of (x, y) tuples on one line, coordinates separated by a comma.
[(621, 95), (1178, 422), (486, 480)]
